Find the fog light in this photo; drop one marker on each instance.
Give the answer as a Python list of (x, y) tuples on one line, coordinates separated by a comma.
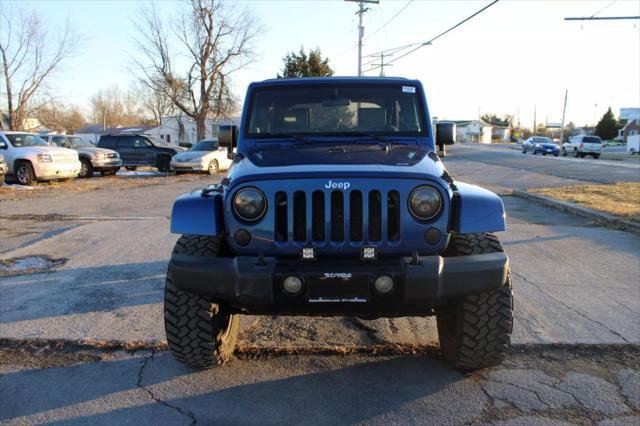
[(369, 253), (384, 284), (242, 237), (292, 285), (308, 253), (432, 236)]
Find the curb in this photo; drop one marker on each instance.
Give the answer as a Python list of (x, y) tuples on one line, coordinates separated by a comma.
[(606, 219)]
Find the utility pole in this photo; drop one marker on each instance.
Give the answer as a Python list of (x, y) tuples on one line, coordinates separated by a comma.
[(361, 11), (564, 110), (535, 124)]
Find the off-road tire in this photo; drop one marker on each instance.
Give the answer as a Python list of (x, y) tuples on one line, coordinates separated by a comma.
[(87, 167), (564, 152), (596, 156), (199, 331), (475, 331)]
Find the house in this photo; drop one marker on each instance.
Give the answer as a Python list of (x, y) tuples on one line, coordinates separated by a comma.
[(473, 131), (631, 128)]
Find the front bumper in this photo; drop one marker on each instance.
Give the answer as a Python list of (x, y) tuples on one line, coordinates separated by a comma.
[(187, 167), (55, 170), (106, 163), (253, 285)]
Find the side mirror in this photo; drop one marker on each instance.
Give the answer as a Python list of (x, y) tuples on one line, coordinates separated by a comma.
[(445, 133), (228, 138)]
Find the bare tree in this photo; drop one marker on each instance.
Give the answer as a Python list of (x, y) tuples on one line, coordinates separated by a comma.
[(115, 107), (154, 103), (28, 56), (217, 41)]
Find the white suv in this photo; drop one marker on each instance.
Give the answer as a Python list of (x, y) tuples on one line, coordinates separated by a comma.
[(30, 159), (582, 145)]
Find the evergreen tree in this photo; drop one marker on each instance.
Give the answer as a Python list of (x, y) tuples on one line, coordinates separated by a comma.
[(607, 128), (302, 65)]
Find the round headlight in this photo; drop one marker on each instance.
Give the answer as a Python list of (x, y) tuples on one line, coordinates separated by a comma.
[(424, 202), (249, 204)]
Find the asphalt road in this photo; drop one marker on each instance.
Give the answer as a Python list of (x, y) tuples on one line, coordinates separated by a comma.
[(575, 283)]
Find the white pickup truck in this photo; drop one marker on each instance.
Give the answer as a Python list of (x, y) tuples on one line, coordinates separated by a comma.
[(29, 158), (582, 145)]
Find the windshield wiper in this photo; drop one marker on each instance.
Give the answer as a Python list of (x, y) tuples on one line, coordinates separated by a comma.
[(289, 136)]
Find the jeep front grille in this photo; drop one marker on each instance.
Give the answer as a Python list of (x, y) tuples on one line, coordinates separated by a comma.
[(337, 216)]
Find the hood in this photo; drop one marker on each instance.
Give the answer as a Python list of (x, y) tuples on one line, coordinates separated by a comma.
[(400, 155), (358, 161), (47, 150), (94, 150), (191, 155)]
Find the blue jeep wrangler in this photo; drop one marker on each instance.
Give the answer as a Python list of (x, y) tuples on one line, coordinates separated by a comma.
[(337, 204)]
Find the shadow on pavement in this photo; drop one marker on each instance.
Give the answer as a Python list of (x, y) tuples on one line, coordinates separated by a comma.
[(285, 390), (81, 290)]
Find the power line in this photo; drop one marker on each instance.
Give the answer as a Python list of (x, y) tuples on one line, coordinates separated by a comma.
[(602, 18), (429, 42), (392, 18), (604, 8), (447, 31)]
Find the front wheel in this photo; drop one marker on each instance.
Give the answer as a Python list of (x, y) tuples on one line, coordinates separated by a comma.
[(86, 168), (24, 173), (475, 331), (200, 332), (564, 152), (575, 153), (214, 167), (596, 156), (164, 164)]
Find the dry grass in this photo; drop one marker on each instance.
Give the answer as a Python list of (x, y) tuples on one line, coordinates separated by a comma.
[(621, 199), (114, 183)]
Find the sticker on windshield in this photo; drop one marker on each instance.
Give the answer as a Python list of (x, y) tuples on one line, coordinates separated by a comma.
[(408, 89)]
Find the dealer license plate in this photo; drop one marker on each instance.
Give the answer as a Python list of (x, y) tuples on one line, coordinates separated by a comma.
[(337, 288)]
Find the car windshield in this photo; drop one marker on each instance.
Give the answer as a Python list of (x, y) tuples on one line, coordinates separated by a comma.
[(79, 141), (25, 139), (541, 140), (157, 141), (205, 146), (323, 110)]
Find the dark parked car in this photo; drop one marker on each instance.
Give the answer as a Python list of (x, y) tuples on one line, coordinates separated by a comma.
[(140, 150)]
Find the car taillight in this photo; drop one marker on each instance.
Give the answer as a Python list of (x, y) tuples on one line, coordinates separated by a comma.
[(581, 145)]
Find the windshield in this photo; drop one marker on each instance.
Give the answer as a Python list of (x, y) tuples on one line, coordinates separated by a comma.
[(79, 141), (205, 146), (25, 139), (393, 110), (541, 140)]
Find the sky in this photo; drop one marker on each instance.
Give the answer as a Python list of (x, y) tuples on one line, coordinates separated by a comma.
[(512, 58)]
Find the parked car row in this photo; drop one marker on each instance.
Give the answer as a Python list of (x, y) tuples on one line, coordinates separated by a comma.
[(27, 158)]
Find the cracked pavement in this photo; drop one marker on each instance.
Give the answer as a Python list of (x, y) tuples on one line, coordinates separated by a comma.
[(576, 333)]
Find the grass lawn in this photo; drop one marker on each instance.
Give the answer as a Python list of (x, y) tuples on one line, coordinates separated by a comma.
[(621, 199)]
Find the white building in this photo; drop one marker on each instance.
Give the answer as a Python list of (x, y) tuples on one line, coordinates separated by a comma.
[(473, 131)]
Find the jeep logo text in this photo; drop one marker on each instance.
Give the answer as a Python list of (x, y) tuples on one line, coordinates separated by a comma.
[(338, 185)]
